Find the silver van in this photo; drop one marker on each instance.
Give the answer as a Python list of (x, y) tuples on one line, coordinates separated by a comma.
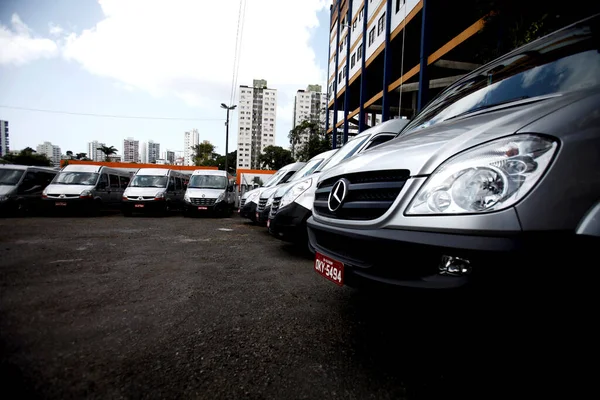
[(21, 187), (88, 188), (495, 181), (154, 190), (209, 191)]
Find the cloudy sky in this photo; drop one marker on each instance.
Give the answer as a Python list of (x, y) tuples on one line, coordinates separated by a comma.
[(150, 58)]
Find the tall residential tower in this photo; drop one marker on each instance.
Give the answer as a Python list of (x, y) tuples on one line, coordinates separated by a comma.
[(190, 139), (257, 117), (131, 150)]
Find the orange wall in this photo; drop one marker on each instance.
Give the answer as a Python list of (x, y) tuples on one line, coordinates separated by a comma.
[(135, 165)]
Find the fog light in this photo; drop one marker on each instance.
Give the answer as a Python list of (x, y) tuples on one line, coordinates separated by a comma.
[(454, 266)]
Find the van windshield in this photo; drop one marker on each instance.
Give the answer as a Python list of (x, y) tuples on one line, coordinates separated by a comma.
[(275, 178), (344, 152), (158, 181), (76, 178), (10, 176), (207, 182), (566, 61), (308, 169)]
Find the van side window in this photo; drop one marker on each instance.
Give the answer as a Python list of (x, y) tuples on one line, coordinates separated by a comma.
[(29, 181), (45, 178), (171, 183), (103, 182), (124, 181), (287, 176), (178, 184), (114, 181)]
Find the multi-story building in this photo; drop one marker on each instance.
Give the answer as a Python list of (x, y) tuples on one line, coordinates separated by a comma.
[(152, 152), (114, 158), (93, 153), (310, 105), (257, 116), (131, 150), (387, 58), (4, 148), (190, 140), (51, 151), (169, 156)]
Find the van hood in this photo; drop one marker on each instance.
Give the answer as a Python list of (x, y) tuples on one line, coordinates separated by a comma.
[(67, 189), (142, 191), (6, 189), (267, 192), (208, 193), (422, 151)]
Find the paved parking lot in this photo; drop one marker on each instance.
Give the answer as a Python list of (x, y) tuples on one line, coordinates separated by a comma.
[(112, 307)]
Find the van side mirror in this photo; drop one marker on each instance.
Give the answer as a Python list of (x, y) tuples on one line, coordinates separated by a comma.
[(230, 188)]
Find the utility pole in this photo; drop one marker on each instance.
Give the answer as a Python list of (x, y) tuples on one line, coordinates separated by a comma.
[(228, 108)]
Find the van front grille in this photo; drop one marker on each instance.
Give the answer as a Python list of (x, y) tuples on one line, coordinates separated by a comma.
[(274, 207), (197, 201), (242, 202), (262, 204), (368, 194)]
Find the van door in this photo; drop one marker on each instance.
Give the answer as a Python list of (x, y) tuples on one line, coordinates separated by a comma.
[(28, 188), (115, 189), (179, 190), (171, 191), (103, 189)]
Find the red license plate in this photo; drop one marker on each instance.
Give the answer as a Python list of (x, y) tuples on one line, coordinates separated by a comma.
[(329, 268), (202, 208), (60, 204), (139, 206)]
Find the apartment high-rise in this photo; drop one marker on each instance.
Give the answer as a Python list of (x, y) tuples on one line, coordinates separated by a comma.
[(257, 116), (152, 151), (169, 156), (93, 153), (190, 139), (4, 149), (131, 150), (310, 105), (51, 151)]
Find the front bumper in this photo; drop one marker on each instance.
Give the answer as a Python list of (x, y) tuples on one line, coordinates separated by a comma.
[(68, 205), (289, 223), (263, 216), (249, 211), (142, 206), (413, 258), (190, 208)]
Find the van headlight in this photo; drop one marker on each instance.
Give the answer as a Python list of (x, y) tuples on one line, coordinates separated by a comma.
[(186, 198), (3, 198), (86, 194), (490, 177), (295, 191), (159, 196), (221, 197)]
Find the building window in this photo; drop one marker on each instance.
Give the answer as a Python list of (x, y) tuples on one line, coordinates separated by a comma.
[(340, 77), (381, 24), (353, 60), (360, 14), (359, 52), (345, 71), (371, 36), (399, 3), (354, 26)]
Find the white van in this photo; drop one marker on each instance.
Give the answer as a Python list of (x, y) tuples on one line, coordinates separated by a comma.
[(154, 189), (209, 190), (86, 188), (21, 187)]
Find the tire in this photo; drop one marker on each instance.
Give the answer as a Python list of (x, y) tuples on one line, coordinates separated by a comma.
[(166, 209)]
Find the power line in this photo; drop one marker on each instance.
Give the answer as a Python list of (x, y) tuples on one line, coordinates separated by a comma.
[(109, 115), (237, 50)]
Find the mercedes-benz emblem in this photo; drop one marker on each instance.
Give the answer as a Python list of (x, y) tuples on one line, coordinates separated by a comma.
[(203, 196), (140, 198), (62, 196), (337, 195)]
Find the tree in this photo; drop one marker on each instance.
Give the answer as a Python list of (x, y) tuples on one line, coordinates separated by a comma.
[(69, 154), (108, 151), (275, 157), (316, 143), (217, 160), (28, 156), (203, 152), (81, 156), (257, 180)]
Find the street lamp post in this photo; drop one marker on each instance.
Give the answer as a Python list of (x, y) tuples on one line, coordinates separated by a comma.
[(228, 108)]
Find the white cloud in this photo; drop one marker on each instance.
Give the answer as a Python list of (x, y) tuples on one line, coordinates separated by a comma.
[(18, 45), (55, 30), (186, 47)]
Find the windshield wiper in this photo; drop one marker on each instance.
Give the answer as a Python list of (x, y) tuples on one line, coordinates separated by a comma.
[(485, 107)]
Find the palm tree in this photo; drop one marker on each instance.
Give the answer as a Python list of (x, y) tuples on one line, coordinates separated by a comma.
[(108, 151)]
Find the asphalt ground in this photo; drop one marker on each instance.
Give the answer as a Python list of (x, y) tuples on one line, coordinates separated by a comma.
[(215, 308)]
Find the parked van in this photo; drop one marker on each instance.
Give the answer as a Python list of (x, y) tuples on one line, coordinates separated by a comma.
[(154, 190), (21, 187), (86, 188), (209, 191)]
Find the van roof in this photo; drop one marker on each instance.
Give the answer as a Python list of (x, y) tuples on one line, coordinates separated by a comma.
[(24, 167), (82, 168), (153, 171), (209, 172)]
